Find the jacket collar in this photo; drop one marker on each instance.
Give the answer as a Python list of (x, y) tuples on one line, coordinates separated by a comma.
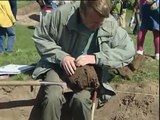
[(74, 20), (74, 23), (105, 30)]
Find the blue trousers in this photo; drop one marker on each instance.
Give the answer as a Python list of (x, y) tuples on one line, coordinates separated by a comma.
[(13, 4), (10, 33)]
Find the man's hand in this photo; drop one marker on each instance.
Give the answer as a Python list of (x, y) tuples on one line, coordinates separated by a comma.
[(69, 65), (83, 60)]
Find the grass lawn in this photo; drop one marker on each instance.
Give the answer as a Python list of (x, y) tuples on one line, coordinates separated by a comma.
[(24, 49), (25, 53)]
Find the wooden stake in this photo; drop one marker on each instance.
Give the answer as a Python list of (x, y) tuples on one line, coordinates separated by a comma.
[(93, 104), (34, 83)]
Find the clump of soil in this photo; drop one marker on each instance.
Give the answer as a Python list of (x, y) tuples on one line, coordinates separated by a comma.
[(136, 101)]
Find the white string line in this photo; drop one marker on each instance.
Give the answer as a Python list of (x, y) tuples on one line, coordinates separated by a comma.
[(138, 93)]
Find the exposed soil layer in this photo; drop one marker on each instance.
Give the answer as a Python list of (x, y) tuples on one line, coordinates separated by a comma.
[(134, 101)]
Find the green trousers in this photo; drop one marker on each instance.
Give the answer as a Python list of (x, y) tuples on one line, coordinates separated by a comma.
[(80, 104)]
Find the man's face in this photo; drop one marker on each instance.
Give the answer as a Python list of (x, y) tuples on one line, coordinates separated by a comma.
[(91, 19)]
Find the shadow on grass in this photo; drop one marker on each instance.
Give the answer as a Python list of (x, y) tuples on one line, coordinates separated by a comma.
[(150, 56), (31, 27), (34, 17)]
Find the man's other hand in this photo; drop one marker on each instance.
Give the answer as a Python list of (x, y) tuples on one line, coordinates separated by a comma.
[(83, 60)]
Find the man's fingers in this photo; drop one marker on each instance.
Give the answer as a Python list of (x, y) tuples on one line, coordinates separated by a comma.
[(66, 69), (70, 68), (80, 63), (73, 66)]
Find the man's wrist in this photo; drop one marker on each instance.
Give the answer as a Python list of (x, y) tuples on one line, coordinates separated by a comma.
[(93, 59)]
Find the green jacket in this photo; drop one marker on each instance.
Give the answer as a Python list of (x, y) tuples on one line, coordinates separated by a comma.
[(60, 35)]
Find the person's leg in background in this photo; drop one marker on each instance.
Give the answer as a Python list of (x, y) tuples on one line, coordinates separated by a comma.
[(2, 39), (138, 22), (13, 4), (156, 43), (131, 21), (122, 18), (140, 41), (81, 104), (11, 39), (135, 32)]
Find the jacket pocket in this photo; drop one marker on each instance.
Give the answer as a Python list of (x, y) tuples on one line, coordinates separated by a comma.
[(108, 42), (39, 70)]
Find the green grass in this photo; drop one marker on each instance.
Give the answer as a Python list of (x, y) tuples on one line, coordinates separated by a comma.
[(24, 49), (25, 53)]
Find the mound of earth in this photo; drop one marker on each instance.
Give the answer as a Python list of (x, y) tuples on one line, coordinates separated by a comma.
[(28, 15), (134, 101)]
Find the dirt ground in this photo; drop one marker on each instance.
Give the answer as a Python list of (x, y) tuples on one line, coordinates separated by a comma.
[(133, 101), (28, 16)]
